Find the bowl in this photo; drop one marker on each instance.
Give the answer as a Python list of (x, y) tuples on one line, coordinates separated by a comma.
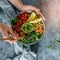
[(29, 26)]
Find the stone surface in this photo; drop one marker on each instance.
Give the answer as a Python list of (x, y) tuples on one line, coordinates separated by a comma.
[(51, 10)]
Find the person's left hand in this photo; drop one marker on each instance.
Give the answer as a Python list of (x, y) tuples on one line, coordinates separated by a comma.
[(7, 32), (32, 8)]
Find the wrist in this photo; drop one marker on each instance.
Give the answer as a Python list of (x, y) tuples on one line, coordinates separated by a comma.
[(17, 3), (20, 8)]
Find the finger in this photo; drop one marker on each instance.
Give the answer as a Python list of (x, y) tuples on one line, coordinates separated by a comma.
[(34, 8), (12, 33), (11, 41), (5, 34), (17, 36), (40, 14)]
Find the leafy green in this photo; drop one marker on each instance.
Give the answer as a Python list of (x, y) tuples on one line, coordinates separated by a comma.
[(30, 38), (49, 47), (13, 22), (57, 43)]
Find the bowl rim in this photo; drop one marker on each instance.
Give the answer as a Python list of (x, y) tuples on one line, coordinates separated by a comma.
[(38, 39)]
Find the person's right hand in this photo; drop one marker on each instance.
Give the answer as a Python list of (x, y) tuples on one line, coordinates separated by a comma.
[(8, 33)]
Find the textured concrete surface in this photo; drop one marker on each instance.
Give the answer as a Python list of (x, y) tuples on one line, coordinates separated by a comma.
[(51, 11)]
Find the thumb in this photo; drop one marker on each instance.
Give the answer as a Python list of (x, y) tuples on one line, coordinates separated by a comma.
[(5, 34), (12, 33)]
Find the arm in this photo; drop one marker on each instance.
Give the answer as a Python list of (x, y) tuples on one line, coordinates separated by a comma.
[(20, 6), (17, 3)]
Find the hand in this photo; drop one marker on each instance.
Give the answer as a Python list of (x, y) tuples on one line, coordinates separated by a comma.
[(8, 33), (32, 8), (20, 6)]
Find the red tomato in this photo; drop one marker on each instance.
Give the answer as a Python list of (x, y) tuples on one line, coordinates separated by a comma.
[(18, 16), (22, 19), (26, 14)]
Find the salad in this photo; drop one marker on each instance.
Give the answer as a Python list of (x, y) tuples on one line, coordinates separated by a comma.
[(29, 26)]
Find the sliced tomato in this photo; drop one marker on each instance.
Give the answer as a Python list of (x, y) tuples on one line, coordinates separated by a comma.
[(18, 16)]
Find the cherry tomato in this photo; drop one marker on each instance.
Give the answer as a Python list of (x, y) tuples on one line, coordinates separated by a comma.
[(18, 16)]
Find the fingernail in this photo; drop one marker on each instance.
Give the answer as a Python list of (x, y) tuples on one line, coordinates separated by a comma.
[(44, 19)]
